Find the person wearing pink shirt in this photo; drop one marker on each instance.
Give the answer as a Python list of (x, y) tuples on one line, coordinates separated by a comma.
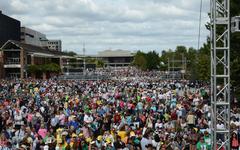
[(29, 117), (42, 131)]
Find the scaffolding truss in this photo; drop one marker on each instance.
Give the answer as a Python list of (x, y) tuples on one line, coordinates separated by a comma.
[(220, 73), (179, 65)]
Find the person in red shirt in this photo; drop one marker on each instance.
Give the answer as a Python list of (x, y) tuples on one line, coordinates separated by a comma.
[(117, 118), (174, 115), (3, 140), (234, 142)]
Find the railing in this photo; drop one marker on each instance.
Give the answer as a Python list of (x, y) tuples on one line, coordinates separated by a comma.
[(81, 76), (13, 75), (12, 61)]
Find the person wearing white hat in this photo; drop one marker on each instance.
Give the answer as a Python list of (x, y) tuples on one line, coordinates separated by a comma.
[(46, 147)]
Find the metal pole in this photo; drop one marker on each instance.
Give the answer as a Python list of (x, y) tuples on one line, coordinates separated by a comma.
[(182, 66), (199, 27), (173, 69), (168, 69), (185, 65), (67, 67), (84, 61)]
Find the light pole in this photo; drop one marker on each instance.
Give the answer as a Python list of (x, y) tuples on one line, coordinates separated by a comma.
[(84, 61), (67, 67)]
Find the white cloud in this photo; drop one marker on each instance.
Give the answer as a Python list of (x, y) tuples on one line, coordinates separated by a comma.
[(18, 6), (103, 24)]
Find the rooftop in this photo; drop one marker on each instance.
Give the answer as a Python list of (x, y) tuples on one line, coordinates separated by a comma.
[(115, 53), (32, 48)]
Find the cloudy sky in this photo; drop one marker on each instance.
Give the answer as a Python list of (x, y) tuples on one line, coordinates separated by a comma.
[(113, 24)]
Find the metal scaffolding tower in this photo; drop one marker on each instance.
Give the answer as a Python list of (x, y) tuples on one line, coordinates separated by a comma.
[(220, 73), (173, 65)]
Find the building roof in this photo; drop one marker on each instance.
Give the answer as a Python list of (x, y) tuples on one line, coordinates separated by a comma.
[(26, 30), (34, 49), (115, 53)]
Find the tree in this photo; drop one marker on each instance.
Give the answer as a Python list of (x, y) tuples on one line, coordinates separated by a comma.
[(90, 60), (38, 70), (70, 53), (33, 69), (203, 68), (205, 49), (181, 50), (192, 61), (51, 68), (164, 59), (99, 63), (153, 61), (140, 60)]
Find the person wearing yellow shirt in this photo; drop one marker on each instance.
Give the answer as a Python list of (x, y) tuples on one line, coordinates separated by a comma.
[(166, 116), (73, 141), (122, 133), (59, 136)]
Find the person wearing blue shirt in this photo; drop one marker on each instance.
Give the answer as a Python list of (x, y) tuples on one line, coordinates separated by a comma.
[(173, 102), (73, 123)]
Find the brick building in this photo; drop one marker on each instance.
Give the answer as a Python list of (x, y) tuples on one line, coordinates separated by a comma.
[(17, 56)]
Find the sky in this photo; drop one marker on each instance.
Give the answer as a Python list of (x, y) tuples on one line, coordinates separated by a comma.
[(113, 24)]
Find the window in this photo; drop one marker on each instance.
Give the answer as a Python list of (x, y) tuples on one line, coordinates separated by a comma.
[(32, 36), (238, 25), (234, 24)]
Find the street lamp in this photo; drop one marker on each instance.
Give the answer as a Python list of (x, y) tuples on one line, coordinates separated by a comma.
[(84, 61), (67, 68)]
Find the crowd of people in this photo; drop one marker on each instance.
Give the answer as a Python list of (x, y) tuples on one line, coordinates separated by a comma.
[(134, 114)]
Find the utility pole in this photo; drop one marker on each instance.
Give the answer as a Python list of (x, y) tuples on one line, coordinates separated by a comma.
[(183, 65), (84, 60), (220, 73), (67, 67), (173, 72), (168, 74)]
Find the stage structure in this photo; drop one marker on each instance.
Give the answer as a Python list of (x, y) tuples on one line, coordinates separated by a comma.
[(177, 68), (220, 73)]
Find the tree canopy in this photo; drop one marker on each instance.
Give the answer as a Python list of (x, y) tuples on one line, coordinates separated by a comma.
[(51, 68), (146, 61)]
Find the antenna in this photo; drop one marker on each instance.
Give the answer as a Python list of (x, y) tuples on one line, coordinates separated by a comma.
[(199, 27)]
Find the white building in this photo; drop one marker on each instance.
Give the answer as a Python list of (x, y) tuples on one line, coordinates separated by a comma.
[(235, 24), (32, 37), (55, 45)]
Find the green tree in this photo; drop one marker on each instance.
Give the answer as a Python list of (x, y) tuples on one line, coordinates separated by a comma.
[(99, 63), (70, 53), (153, 61), (165, 58), (45, 68), (205, 49), (32, 69), (51, 68), (181, 50), (90, 60), (203, 67), (235, 47), (140, 60), (192, 61)]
